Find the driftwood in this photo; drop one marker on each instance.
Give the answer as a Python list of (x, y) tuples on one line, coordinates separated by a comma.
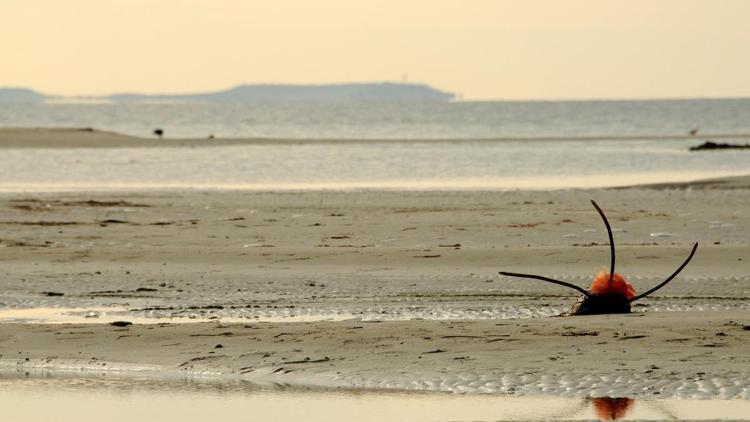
[(610, 293)]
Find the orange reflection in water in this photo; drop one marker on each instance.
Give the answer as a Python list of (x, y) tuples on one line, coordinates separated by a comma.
[(612, 408)]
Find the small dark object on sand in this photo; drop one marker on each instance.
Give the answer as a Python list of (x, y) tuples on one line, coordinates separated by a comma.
[(711, 146), (120, 323), (53, 294), (159, 132), (610, 293), (113, 221)]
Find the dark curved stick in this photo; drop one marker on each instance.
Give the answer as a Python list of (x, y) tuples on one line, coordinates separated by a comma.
[(664, 283), (611, 240), (551, 280)]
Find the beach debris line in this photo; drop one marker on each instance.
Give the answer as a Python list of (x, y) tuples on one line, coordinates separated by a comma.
[(610, 293), (711, 145)]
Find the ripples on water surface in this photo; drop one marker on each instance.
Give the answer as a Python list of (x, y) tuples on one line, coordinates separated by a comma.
[(461, 165), (460, 120)]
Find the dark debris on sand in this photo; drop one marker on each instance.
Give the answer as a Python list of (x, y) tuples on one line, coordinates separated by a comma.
[(712, 146)]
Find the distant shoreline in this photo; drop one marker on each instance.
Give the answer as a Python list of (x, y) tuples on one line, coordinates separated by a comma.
[(259, 93), (23, 137)]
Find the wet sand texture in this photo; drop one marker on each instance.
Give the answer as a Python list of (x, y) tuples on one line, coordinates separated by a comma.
[(675, 354), (392, 257)]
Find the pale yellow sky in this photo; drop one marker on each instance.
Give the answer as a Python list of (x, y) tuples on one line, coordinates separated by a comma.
[(484, 49)]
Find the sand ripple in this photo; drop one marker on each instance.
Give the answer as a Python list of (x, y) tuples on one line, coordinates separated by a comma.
[(568, 385)]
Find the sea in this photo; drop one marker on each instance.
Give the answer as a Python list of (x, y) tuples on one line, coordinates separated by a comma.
[(431, 145)]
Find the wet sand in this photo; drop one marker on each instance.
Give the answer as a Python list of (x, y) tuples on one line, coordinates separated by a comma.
[(655, 355), (377, 289), (413, 276), (58, 398)]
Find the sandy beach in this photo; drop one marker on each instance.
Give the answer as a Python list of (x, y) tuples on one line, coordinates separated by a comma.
[(685, 355), (366, 211), (381, 289)]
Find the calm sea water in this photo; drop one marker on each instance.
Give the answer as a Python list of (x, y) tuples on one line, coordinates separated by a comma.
[(459, 120), (589, 148), (465, 165)]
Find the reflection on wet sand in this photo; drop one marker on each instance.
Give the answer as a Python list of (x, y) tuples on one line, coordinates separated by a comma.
[(126, 399), (612, 408)]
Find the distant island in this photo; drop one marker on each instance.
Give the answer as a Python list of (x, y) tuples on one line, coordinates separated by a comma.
[(20, 95), (279, 93)]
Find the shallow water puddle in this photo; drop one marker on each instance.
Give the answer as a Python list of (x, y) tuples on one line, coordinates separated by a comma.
[(117, 399), (176, 314), (60, 315), (104, 315)]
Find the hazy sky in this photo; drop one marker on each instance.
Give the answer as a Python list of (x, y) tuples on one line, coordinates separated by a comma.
[(484, 49)]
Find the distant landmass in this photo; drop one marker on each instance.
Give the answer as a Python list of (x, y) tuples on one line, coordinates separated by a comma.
[(360, 92), (20, 95)]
